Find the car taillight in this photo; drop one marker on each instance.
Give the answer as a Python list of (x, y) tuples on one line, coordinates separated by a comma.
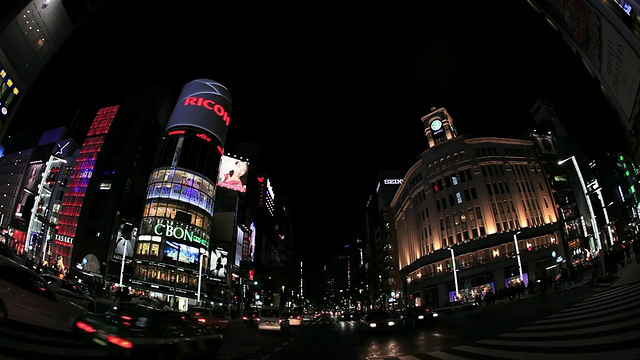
[(245, 318), (84, 326), (201, 320), (123, 343)]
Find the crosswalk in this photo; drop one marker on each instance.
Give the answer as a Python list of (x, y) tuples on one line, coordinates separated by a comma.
[(603, 326)]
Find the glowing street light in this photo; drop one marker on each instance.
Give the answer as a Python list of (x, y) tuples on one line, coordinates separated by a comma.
[(594, 225), (202, 255), (515, 241), (455, 275)]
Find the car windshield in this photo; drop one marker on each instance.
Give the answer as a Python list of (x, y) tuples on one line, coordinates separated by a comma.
[(270, 313)]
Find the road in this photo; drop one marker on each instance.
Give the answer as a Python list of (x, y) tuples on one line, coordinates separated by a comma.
[(587, 321)]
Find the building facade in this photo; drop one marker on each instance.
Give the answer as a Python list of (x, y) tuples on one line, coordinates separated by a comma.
[(173, 241), (473, 216)]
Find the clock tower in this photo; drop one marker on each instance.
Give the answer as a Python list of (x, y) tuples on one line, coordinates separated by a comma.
[(438, 126)]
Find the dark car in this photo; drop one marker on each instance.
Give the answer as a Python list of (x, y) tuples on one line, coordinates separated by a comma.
[(348, 316), (419, 316), (380, 320), (25, 297), (215, 318), (71, 291), (250, 318), (137, 331), (455, 306)]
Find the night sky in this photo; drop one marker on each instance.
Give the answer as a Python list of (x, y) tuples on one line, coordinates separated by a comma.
[(331, 92)]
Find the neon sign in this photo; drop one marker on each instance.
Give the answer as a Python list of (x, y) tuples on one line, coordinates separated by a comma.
[(209, 105), (204, 137), (178, 233)]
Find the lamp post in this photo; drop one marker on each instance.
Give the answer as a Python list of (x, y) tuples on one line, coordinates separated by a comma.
[(455, 275), (515, 241), (608, 243), (594, 225), (202, 255), (124, 255)]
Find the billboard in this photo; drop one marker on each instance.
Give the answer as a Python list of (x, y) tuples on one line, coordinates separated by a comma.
[(126, 237), (34, 175), (218, 266), (203, 104), (233, 174), (184, 253)]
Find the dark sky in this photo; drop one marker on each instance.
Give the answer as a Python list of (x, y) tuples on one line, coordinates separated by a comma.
[(331, 91)]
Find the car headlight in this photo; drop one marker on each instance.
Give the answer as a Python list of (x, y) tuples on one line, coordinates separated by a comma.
[(391, 323), (373, 325), (420, 317)]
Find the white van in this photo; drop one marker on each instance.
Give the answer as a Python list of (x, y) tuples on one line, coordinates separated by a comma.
[(272, 318)]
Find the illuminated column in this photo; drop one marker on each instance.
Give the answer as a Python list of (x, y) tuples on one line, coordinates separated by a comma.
[(124, 255), (594, 225), (201, 258), (455, 275), (606, 216), (515, 241)]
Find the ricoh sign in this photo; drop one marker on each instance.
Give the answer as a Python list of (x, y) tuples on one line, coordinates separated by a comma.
[(203, 104)]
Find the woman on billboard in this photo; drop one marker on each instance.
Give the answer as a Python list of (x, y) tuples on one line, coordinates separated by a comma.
[(234, 179)]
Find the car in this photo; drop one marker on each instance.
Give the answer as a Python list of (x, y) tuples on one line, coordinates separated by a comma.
[(250, 318), (134, 331), (26, 298), (348, 316), (214, 318), (70, 291), (380, 320), (272, 319), (295, 319), (307, 317), (149, 302), (415, 316), (457, 305)]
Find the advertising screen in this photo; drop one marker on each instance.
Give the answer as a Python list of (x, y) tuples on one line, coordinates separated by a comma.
[(34, 174), (233, 174), (126, 237), (187, 254), (218, 264)]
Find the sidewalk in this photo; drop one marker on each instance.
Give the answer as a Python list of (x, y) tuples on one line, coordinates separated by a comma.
[(627, 274)]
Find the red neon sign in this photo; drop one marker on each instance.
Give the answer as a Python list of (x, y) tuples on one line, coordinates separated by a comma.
[(177, 132), (209, 105), (204, 137)]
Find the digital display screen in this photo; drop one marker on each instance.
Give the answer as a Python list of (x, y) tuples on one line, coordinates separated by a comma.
[(184, 253), (233, 174)]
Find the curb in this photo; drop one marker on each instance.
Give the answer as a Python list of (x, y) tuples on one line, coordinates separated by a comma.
[(608, 283)]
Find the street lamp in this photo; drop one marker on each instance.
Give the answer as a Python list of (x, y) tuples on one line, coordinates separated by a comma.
[(455, 275), (124, 255), (594, 225), (202, 255), (515, 241), (598, 191)]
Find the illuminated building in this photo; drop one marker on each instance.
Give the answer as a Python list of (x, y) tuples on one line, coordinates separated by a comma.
[(31, 31), (173, 243), (473, 195), (606, 37)]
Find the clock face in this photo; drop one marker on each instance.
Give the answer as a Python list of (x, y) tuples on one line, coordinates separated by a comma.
[(436, 125)]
